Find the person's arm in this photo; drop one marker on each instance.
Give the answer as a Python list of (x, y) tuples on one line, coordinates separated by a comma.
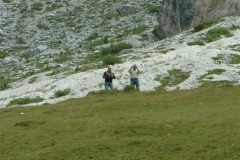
[(113, 76), (104, 75), (138, 71), (130, 71)]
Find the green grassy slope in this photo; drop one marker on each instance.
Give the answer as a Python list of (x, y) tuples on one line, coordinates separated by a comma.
[(192, 124)]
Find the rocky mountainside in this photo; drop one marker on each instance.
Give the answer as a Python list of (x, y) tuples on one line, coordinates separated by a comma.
[(35, 34), (181, 15), (54, 50)]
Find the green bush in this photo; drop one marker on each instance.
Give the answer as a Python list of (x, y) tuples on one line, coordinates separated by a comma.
[(154, 9), (6, 1), (110, 60), (200, 43), (205, 25), (105, 40), (199, 27), (61, 93), (3, 55), (92, 37), (3, 85), (37, 6), (114, 49), (26, 100), (215, 34)]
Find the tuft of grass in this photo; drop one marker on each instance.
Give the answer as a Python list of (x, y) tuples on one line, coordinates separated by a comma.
[(3, 55), (103, 92), (111, 60), (6, 1), (127, 125), (92, 37), (230, 59), (164, 51), (234, 27), (4, 84), (175, 77), (116, 48), (234, 59), (215, 34), (207, 80), (26, 100), (37, 6), (200, 43), (205, 25), (139, 29), (235, 47), (61, 93), (33, 79), (154, 9)]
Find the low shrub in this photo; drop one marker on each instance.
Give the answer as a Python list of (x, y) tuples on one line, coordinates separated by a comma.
[(37, 6), (92, 37), (200, 43), (111, 60), (215, 34), (26, 100), (154, 9), (3, 85), (2, 55), (61, 93), (114, 49), (205, 25)]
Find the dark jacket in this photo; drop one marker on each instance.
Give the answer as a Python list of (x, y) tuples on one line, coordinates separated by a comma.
[(108, 76)]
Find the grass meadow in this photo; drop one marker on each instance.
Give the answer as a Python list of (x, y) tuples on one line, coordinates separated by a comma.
[(199, 124)]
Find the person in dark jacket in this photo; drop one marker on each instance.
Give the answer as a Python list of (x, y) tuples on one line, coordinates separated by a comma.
[(109, 76)]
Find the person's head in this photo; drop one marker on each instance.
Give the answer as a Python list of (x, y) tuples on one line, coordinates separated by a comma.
[(109, 68), (134, 66)]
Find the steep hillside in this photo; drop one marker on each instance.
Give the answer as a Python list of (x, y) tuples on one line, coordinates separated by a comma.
[(36, 34), (38, 71)]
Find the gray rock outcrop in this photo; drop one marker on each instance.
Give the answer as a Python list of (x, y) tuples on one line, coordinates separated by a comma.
[(180, 15), (127, 10)]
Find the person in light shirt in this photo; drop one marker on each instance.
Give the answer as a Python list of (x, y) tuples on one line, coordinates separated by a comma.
[(134, 72)]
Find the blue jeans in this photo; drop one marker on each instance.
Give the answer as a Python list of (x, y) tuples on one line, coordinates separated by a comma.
[(108, 85), (135, 81)]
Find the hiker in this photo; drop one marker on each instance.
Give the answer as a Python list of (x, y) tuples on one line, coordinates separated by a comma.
[(109, 76), (134, 72)]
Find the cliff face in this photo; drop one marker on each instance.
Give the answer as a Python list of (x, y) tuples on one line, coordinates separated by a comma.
[(180, 15)]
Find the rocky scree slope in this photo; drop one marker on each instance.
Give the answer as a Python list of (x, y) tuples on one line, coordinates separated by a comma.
[(169, 64), (35, 34)]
